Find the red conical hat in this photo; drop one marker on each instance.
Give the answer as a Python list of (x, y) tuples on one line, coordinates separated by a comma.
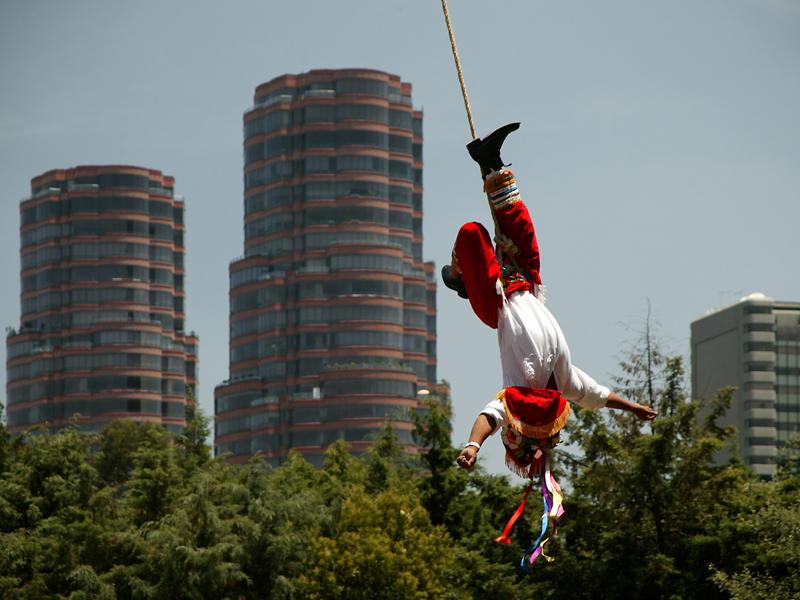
[(535, 412)]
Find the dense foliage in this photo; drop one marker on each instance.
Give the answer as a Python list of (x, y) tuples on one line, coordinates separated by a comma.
[(133, 512)]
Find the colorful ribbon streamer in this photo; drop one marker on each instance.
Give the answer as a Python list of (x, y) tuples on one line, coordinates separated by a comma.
[(552, 499)]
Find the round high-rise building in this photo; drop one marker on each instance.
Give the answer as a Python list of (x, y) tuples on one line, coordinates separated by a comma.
[(333, 317), (101, 333)]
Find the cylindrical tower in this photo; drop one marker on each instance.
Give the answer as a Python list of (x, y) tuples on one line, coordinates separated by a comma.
[(101, 331), (333, 316)]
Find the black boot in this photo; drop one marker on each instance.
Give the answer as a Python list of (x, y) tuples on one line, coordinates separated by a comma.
[(486, 152), (454, 283)]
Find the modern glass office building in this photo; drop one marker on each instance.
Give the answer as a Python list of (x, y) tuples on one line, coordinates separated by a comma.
[(102, 333), (332, 309), (753, 345)]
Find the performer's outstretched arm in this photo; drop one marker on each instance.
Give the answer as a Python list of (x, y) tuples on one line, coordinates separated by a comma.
[(645, 413), (483, 427)]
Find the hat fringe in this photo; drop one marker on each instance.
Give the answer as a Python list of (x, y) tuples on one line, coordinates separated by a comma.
[(517, 467)]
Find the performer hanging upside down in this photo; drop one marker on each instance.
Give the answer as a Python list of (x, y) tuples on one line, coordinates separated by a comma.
[(538, 374)]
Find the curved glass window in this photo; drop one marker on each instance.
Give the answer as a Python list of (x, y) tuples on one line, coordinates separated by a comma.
[(400, 219), (400, 169), (310, 289), (323, 239), (404, 242), (416, 152), (250, 274), (400, 143), (400, 194), (244, 301), (110, 226), (320, 215), (306, 438), (392, 387), (88, 250), (269, 148), (270, 320), (279, 196), (319, 164), (100, 204), (313, 341), (385, 339), (43, 233), (354, 85), (272, 346), (272, 121), (415, 343), (312, 314), (267, 174), (415, 318), (269, 295), (400, 118), (164, 254), (85, 362), (320, 113), (34, 391), (362, 163), (275, 222), (163, 209), (309, 366), (378, 262), (30, 369), (319, 139), (365, 411), (246, 399), (42, 256), (116, 272), (362, 112), (244, 352), (414, 292), (81, 385), (120, 180), (363, 287), (363, 137), (133, 338), (365, 312)]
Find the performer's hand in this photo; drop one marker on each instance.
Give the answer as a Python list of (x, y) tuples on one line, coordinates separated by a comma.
[(467, 458), (645, 413)]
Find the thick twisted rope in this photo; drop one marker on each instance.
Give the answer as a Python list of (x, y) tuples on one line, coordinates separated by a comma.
[(458, 69), (499, 237)]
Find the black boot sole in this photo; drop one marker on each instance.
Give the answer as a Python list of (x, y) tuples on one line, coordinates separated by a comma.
[(486, 152)]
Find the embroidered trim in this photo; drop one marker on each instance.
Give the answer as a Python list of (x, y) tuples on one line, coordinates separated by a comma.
[(509, 275), (501, 186)]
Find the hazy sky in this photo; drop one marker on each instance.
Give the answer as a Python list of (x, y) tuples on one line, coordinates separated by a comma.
[(659, 151)]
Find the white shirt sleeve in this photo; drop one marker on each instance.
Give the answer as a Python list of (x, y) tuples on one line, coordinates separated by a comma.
[(578, 387), (497, 411)]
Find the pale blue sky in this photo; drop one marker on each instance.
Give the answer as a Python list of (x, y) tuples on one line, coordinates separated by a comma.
[(659, 152)]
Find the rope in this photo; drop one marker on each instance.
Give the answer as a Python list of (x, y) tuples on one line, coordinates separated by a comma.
[(458, 70), (473, 133)]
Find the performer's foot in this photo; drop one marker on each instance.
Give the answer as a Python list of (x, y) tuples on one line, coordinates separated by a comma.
[(454, 282), (486, 152)]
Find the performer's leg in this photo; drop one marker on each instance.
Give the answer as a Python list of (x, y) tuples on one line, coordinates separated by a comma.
[(515, 223), (517, 236), (479, 270)]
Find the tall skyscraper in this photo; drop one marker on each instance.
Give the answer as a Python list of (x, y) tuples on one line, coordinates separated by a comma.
[(102, 320), (755, 346), (333, 317)]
